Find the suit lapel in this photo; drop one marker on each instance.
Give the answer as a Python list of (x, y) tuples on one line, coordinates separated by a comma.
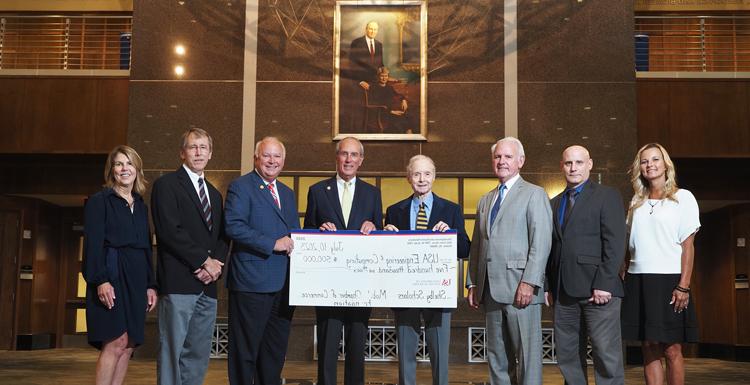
[(332, 193), (556, 214), (358, 200), (404, 217), (581, 201), (437, 207), (488, 209), (266, 194), (187, 184), (216, 214)]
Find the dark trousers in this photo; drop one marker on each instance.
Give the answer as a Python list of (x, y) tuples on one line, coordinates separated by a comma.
[(575, 320), (258, 335), (330, 321)]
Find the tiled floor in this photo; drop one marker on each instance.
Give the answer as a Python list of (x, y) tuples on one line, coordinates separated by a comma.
[(76, 366)]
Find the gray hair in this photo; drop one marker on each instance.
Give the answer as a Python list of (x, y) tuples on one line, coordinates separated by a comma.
[(361, 146), (269, 139), (513, 140), (415, 159)]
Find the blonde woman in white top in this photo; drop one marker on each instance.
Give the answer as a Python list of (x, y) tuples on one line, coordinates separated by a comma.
[(656, 310)]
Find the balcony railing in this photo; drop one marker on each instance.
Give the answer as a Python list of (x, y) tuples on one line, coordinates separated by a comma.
[(692, 43), (32, 42)]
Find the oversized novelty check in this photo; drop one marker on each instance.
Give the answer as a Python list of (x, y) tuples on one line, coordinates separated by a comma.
[(383, 269)]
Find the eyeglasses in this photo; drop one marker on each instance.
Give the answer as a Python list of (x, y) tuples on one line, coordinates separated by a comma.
[(201, 148)]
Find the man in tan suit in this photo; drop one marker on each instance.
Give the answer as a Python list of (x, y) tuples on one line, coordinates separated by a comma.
[(509, 250)]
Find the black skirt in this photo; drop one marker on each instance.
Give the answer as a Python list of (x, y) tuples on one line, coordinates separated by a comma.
[(647, 314)]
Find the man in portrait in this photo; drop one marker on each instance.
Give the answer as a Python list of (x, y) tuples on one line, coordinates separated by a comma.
[(365, 57)]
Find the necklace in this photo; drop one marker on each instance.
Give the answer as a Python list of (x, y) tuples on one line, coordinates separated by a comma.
[(652, 205)]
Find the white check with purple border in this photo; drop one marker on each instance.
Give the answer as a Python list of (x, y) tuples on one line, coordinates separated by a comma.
[(384, 269)]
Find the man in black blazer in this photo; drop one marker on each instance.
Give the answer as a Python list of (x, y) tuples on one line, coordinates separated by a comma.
[(343, 202), (187, 214), (588, 247), (366, 56), (439, 215)]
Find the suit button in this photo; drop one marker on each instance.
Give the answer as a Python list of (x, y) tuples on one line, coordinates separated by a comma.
[(489, 259)]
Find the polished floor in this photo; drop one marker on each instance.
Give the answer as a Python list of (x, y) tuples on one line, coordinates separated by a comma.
[(76, 366)]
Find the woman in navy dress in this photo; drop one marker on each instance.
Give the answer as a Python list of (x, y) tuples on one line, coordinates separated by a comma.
[(117, 265)]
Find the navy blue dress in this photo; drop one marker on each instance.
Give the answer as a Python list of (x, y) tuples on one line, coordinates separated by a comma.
[(117, 250)]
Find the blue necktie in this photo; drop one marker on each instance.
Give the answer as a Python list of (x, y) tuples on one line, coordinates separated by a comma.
[(496, 206)]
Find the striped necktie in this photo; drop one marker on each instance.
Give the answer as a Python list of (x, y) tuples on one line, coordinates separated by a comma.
[(421, 218), (273, 194), (205, 204)]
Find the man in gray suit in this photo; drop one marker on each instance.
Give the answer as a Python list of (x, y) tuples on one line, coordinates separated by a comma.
[(588, 246), (509, 251)]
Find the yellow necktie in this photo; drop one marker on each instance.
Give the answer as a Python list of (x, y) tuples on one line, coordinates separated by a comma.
[(346, 202), (421, 218)]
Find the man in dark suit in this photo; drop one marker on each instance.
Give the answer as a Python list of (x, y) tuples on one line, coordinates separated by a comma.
[(260, 213), (187, 214), (343, 202), (425, 210), (588, 247), (366, 56)]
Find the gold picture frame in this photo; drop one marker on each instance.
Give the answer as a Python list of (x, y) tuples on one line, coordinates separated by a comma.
[(380, 70)]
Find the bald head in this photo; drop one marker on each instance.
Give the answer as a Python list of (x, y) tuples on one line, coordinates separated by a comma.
[(576, 165)]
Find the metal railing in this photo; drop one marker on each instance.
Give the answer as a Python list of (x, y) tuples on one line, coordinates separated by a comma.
[(692, 43), (51, 42)]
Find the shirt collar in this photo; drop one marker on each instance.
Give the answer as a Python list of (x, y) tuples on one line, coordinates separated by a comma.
[(264, 179), (340, 181), (193, 176), (428, 199), (510, 182), (579, 188)]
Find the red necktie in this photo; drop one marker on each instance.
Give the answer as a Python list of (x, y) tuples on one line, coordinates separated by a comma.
[(273, 194), (372, 51)]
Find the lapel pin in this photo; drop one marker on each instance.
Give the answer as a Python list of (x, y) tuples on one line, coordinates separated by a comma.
[(262, 187), (328, 187)]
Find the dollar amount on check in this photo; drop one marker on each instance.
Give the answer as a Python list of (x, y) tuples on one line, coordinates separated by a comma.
[(383, 269)]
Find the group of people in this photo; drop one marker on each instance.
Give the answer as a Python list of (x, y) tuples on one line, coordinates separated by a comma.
[(526, 250)]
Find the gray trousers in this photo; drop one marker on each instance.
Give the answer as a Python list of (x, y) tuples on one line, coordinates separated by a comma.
[(575, 320), (514, 343), (437, 334), (186, 324)]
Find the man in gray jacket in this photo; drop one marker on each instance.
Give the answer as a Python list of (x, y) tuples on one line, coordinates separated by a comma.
[(509, 251)]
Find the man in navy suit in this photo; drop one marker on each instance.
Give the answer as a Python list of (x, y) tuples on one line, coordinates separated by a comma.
[(260, 214), (187, 215), (425, 210), (343, 202)]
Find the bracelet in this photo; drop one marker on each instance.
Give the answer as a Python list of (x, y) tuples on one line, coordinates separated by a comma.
[(682, 289)]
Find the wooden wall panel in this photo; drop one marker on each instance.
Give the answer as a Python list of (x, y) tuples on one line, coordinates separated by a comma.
[(741, 229), (712, 272), (696, 118), (85, 115)]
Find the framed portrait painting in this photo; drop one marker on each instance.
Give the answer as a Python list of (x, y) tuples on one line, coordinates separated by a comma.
[(380, 74)]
